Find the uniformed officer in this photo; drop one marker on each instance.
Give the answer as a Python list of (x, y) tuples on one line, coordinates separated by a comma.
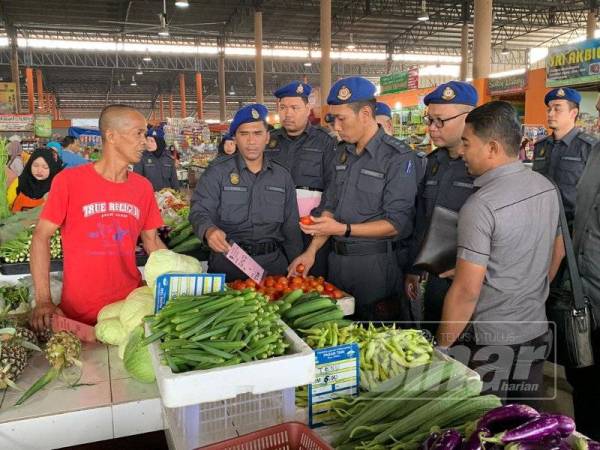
[(383, 115), (446, 183), (247, 199), (306, 151), (369, 206), (562, 156), (157, 164)]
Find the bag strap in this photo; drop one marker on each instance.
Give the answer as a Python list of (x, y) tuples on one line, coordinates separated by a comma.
[(576, 285)]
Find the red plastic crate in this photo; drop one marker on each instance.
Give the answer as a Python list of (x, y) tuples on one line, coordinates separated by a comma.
[(287, 436)]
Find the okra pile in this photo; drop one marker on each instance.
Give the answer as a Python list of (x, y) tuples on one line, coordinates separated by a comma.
[(216, 330), (17, 250)]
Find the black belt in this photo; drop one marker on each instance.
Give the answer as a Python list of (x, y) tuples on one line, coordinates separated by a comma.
[(347, 248), (263, 248), (306, 188)]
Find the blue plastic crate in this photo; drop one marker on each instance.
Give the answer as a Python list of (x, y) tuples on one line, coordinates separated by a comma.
[(175, 284)]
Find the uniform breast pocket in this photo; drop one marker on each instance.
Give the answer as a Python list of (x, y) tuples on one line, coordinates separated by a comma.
[(310, 160), (234, 204), (570, 169), (273, 209), (370, 189), (167, 169), (540, 164), (340, 174)]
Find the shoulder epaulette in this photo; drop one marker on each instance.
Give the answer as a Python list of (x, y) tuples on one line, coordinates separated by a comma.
[(587, 138), (396, 143)]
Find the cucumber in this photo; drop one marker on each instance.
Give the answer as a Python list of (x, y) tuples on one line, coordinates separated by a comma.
[(308, 307), (187, 231), (190, 243)]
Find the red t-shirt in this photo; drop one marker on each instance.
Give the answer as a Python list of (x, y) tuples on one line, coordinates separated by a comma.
[(100, 222)]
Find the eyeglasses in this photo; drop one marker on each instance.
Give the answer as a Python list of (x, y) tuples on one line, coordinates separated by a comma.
[(439, 123)]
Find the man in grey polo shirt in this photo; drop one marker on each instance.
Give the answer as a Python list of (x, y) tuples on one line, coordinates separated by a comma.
[(508, 251)]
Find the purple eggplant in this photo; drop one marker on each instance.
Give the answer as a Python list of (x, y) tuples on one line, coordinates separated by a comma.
[(552, 442), (449, 440), (474, 441), (430, 441), (507, 417), (533, 431), (566, 425)]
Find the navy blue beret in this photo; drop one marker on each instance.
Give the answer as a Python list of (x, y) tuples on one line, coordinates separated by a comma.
[(249, 113), (382, 109), (351, 90), (294, 89), (563, 94), (453, 92)]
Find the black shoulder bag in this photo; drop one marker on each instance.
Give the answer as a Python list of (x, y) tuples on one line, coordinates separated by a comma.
[(570, 312)]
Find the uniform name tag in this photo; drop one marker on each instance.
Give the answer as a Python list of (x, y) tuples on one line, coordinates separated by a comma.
[(570, 158), (314, 150), (540, 158), (371, 173), (431, 183), (235, 188), (341, 167), (463, 185), (275, 189)]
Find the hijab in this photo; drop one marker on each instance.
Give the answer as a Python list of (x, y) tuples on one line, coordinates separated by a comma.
[(161, 146), (28, 184)]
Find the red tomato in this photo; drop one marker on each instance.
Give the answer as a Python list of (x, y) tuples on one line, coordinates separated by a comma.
[(321, 280), (269, 282), (313, 283), (287, 290), (337, 294), (319, 288), (328, 287), (300, 268), (279, 286), (250, 284), (306, 220), (297, 281), (281, 280)]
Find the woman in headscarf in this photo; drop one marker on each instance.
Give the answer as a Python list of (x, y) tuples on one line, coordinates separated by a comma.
[(227, 145), (28, 190), (157, 164)]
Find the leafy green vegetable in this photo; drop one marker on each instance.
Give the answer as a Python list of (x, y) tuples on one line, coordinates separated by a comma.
[(138, 304), (166, 261), (111, 331), (137, 357), (111, 311)]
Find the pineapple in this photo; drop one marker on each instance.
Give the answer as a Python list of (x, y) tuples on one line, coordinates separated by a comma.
[(44, 335), (62, 352), (27, 335), (13, 360)]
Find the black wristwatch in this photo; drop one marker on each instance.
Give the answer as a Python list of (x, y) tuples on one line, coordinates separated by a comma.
[(348, 230)]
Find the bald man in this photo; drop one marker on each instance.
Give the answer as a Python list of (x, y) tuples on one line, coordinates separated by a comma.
[(101, 209)]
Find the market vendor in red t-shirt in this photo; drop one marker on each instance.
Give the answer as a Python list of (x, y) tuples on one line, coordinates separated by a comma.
[(101, 210)]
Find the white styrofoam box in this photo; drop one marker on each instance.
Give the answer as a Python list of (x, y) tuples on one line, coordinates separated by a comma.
[(257, 377), (347, 304), (194, 426)]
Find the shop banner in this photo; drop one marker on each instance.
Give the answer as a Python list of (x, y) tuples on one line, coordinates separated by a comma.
[(507, 85), (399, 81), (337, 373), (8, 98), (16, 122), (43, 125), (573, 64)]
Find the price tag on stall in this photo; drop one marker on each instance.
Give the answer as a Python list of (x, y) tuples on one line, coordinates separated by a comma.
[(81, 330), (245, 263), (338, 373)]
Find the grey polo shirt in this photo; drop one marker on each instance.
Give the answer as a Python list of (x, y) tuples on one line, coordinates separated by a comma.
[(509, 226)]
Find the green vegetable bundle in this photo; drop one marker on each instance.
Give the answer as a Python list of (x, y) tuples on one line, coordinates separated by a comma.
[(17, 250), (216, 330), (308, 310), (402, 413), (14, 299), (384, 351)]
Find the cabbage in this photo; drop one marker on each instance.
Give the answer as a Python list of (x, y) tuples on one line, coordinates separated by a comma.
[(136, 359), (165, 261), (111, 331), (110, 311), (138, 304)]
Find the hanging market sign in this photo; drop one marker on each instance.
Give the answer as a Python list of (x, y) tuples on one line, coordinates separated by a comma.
[(507, 85), (573, 64), (399, 81), (43, 125), (16, 122), (8, 98)]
